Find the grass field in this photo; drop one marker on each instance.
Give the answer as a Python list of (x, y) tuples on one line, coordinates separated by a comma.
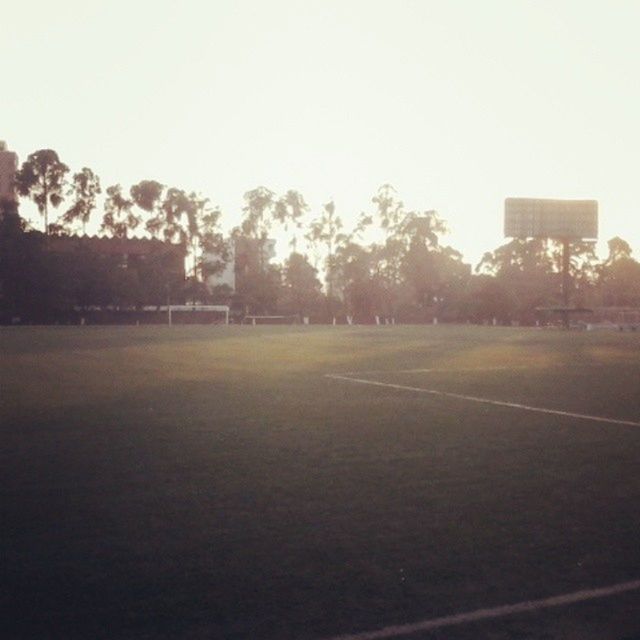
[(213, 482)]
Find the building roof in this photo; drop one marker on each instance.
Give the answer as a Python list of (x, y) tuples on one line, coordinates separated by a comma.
[(115, 246)]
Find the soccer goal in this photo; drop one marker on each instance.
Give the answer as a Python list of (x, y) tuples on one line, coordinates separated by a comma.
[(197, 314), (254, 320)]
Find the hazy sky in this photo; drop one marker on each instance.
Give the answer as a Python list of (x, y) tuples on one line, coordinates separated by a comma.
[(457, 104)]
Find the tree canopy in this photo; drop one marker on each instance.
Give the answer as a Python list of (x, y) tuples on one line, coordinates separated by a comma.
[(391, 264)]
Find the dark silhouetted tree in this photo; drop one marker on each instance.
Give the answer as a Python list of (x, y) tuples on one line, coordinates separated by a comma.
[(325, 232), (176, 217), (42, 178), (258, 219), (301, 287), (288, 211), (119, 217), (147, 194), (618, 248), (526, 269), (620, 276), (85, 187), (213, 252)]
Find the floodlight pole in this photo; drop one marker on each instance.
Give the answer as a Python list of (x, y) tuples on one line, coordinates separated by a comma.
[(566, 279)]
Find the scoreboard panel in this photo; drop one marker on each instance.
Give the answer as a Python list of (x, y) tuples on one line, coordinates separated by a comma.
[(545, 218)]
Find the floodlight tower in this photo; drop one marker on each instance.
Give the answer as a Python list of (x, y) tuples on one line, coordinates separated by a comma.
[(562, 220)]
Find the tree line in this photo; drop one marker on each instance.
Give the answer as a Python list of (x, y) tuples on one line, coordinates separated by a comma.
[(391, 265)]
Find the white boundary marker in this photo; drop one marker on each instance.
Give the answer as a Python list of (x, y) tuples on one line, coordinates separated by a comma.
[(431, 370), (496, 403), (466, 369), (494, 612)]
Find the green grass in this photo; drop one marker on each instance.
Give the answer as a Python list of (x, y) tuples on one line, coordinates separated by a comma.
[(210, 482)]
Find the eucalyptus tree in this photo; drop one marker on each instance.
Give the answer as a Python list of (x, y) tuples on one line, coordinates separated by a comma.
[(620, 276), (288, 211), (584, 268), (422, 228), (147, 195), (119, 217), (301, 289), (404, 259), (524, 255), (363, 291), (387, 215), (214, 250), (325, 232), (85, 187), (391, 218), (258, 218), (526, 270), (42, 178), (258, 212), (174, 216), (190, 220), (618, 248), (389, 209)]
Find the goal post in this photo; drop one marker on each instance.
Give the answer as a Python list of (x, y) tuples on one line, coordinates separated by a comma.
[(196, 313), (270, 319)]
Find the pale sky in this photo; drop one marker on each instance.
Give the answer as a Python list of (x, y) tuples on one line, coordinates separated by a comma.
[(457, 104)]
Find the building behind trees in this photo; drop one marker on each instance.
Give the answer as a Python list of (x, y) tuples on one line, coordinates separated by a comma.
[(8, 168)]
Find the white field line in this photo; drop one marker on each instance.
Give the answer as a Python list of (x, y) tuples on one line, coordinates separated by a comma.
[(433, 370), (495, 403), (465, 369), (494, 612)]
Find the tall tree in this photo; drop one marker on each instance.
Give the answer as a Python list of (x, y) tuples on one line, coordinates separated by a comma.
[(258, 218), (258, 211), (406, 259), (389, 210), (118, 217), (584, 269), (528, 273), (42, 178), (356, 272), (620, 276), (85, 187), (176, 217), (301, 287), (387, 215), (147, 195), (325, 231), (487, 299), (188, 218), (288, 211), (213, 249), (517, 255), (618, 248)]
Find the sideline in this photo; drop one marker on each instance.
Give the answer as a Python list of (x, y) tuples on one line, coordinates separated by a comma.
[(496, 403), (494, 612), (430, 370)]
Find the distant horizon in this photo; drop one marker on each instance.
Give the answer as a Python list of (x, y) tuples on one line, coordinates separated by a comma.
[(282, 247)]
